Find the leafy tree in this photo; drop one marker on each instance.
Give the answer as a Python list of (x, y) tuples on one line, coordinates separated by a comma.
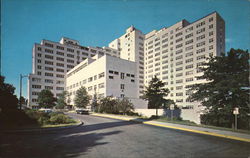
[(82, 98), (108, 105), (61, 101), (125, 106), (7, 98), (155, 94), (22, 100), (94, 104), (227, 88), (46, 99)]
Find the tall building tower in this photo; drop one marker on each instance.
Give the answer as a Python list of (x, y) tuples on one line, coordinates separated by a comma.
[(175, 53), (131, 47), (52, 60)]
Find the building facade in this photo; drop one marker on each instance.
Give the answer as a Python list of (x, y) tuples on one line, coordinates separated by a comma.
[(52, 60), (103, 76), (131, 47), (175, 53)]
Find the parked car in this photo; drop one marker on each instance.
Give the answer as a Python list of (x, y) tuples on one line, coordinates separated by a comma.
[(82, 111), (46, 110)]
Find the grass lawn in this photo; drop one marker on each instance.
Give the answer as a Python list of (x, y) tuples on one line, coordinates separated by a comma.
[(60, 125), (185, 122)]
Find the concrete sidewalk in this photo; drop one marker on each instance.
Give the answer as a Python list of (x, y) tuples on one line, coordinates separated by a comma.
[(194, 129)]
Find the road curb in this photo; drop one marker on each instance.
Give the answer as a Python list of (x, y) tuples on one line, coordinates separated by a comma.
[(177, 128), (41, 130)]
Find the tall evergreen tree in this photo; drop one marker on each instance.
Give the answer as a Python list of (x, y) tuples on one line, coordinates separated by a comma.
[(46, 99), (155, 94), (82, 98), (227, 88), (61, 101)]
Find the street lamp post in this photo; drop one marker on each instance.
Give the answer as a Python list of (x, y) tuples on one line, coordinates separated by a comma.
[(21, 82)]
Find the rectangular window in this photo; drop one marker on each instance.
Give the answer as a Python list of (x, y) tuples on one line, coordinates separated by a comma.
[(48, 81), (48, 74), (189, 35), (101, 75), (60, 64), (200, 44), (189, 54), (101, 85), (200, 31), (49, 51), (59, 47), (189, 79), (59, 76), (70, 50), (48, 44), (36, 86), (60, 53), (49, 68), (59, 88), (49, 57), (70, 55), (122, 86), (122, 75), (201, 57), (179, 81), (189, 66), (60, 70)]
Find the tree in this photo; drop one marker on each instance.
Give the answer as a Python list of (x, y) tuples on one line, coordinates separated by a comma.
[(155, 94), (82, 98), (7, 98), (46, 99), (125, 106), (108, 105), (22, 100), (227, 87), (94, 104), (61, 101)]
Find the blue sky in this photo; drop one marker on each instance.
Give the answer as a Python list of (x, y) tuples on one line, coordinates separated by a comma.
[(98, 22)]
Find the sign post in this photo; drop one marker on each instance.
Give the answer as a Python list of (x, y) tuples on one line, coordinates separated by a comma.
[(235, 112), (171, 108)]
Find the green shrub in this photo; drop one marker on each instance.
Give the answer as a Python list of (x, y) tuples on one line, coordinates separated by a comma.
[(60, 119), (131, 113)]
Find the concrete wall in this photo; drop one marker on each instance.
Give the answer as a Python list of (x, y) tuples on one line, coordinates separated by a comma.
[(191, 115), (139, 103), (149, 112), (185, 114)]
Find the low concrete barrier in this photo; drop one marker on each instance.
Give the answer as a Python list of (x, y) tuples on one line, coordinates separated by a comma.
[(185, 114)]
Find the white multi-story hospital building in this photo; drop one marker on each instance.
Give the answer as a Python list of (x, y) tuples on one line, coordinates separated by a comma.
[(104, 76), (52, 60), (172, 53)]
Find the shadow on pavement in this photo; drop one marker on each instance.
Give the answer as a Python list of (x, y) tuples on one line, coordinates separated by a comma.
[(67, 143)]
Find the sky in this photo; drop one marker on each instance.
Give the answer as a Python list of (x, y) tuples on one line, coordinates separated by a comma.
[(98, 22)]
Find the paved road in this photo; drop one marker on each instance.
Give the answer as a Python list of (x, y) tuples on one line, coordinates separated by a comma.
[(108, 138)]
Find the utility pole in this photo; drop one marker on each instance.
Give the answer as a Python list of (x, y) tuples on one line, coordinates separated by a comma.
[(21, 84)]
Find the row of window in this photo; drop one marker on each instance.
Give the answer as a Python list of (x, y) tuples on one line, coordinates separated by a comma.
[(38, 80), (45, 87), (180, 39), (69, 50), (90, 79)]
